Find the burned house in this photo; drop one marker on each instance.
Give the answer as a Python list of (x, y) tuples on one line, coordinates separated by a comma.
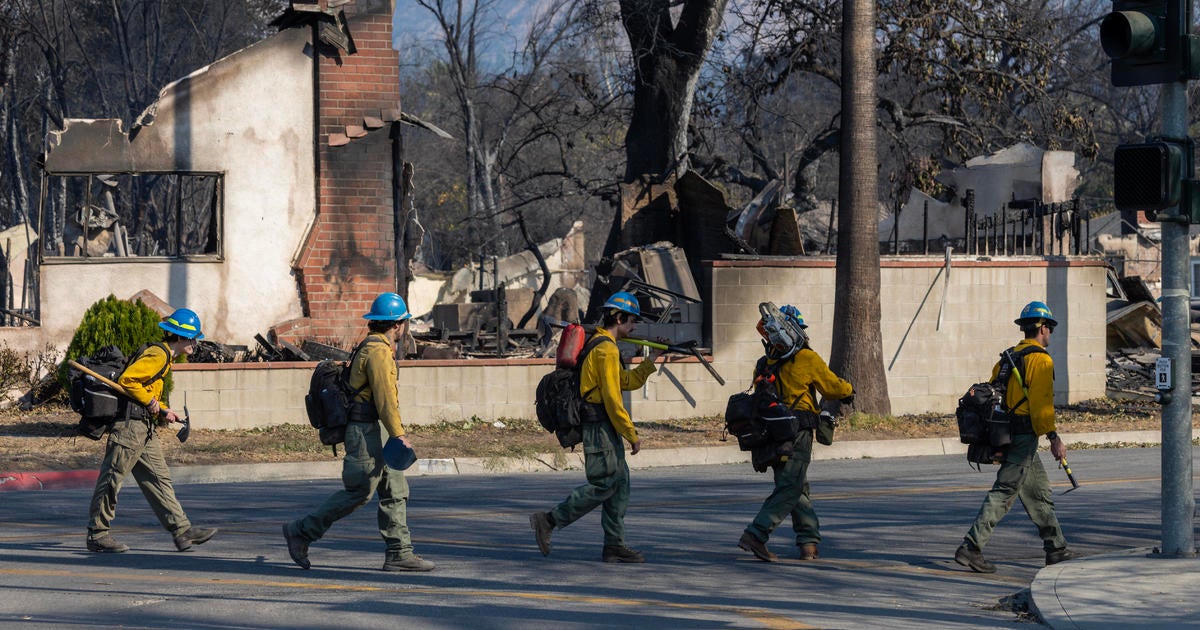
[(274, 170)]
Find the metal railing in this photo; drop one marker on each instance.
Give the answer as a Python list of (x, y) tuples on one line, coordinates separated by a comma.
[(1019, 228)]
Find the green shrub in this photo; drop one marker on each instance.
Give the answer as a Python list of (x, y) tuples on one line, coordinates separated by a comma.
[(126, 325)]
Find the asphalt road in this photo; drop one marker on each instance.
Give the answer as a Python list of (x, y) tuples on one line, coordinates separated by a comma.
[(890, 527)]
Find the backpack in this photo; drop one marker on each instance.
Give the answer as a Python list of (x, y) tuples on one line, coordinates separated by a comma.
[(983, 418), (98, 406), (559, 403), (330, 398), (758, 417)]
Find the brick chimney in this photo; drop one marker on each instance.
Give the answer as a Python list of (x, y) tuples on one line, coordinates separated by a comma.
[(348, 258)]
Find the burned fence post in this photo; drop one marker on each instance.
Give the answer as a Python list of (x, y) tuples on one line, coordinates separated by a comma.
[(1087, 231), (1004, 230), (925, 227), (1024, 236), (968, 234), (833, 209), (896, 231)]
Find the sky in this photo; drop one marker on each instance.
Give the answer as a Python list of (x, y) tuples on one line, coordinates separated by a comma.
[(506, 21)]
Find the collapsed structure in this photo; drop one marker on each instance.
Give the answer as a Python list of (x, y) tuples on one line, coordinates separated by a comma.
[(284, 217)]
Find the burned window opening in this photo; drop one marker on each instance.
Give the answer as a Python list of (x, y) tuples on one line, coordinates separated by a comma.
[(119, 216)]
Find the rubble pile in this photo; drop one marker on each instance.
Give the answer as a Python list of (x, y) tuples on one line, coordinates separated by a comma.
[(1131, 373)]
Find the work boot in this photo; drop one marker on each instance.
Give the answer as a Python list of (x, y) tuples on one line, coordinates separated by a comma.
[(105, 543), (1059, 555), (193, 536), (297, 548), (969, 555), (393, 562), (542, 529), (751, 543), (808, 551), (621, 553)]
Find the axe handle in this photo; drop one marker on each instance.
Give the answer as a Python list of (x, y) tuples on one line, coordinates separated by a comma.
[(1070, 476), (678, 349), (92, 373), (649, 344), (708, 366), (102, 380)]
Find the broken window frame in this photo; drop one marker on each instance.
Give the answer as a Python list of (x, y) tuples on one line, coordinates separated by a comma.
[(175, 235)]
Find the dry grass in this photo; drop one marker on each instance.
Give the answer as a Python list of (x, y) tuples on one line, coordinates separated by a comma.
[(45, 438)]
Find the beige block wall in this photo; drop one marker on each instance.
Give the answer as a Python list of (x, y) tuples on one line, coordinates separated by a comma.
[(226, 396), (929, 368)]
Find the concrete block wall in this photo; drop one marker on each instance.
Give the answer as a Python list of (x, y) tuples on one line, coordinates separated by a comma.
[(231, 395), (930, 366)]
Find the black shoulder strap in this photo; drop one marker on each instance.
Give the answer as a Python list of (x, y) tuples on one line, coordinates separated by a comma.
[(589, 346), (1013, 363), (764, 368), (141, 351), (346, 373)]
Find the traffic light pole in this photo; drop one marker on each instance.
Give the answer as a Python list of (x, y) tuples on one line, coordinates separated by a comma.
[(1178, 502)]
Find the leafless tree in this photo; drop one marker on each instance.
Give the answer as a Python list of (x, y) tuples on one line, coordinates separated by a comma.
[(955, 79), (529, 129)]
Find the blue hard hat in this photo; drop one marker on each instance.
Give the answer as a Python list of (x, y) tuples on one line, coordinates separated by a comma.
[(794, 313), (388, 307), (397, 454), (625, 302), (1036, 313), (183, 322)]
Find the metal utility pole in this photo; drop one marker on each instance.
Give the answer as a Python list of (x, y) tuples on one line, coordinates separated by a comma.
[(1150, 42), (1178, 502)]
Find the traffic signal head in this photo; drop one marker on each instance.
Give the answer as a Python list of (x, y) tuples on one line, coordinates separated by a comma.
[(1146, 176), (1148, 41), (1131, 34)]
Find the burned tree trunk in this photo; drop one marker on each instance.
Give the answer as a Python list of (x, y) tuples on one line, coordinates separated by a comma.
[(667, 58)]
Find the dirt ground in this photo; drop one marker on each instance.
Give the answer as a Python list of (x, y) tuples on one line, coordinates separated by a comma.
[(45, 439)]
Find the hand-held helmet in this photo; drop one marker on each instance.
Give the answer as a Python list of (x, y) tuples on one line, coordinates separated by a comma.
[(625, 302), (388, 307), (397, 454), (183, 322), (1036, 314)]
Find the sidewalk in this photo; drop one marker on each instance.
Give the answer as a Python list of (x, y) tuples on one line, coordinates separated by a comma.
[(562, 460), (1119, 591)]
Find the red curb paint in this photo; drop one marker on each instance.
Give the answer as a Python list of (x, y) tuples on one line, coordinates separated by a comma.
[(50, 480)]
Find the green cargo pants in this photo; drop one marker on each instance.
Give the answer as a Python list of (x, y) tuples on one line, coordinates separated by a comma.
[(133, 447), (790, 496), (363, 475), (1021, 475), (607, 486)]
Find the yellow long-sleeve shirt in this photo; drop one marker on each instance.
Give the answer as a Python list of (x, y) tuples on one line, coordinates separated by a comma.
[(1039, 379), (804, 372), (602, 378), (375, 366), (134, 378)]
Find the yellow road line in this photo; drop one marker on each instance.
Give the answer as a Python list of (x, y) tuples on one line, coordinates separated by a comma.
[(765, 617)]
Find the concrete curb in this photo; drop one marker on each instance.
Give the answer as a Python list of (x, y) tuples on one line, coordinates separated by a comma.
[(1120, 590), (545, 462)]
